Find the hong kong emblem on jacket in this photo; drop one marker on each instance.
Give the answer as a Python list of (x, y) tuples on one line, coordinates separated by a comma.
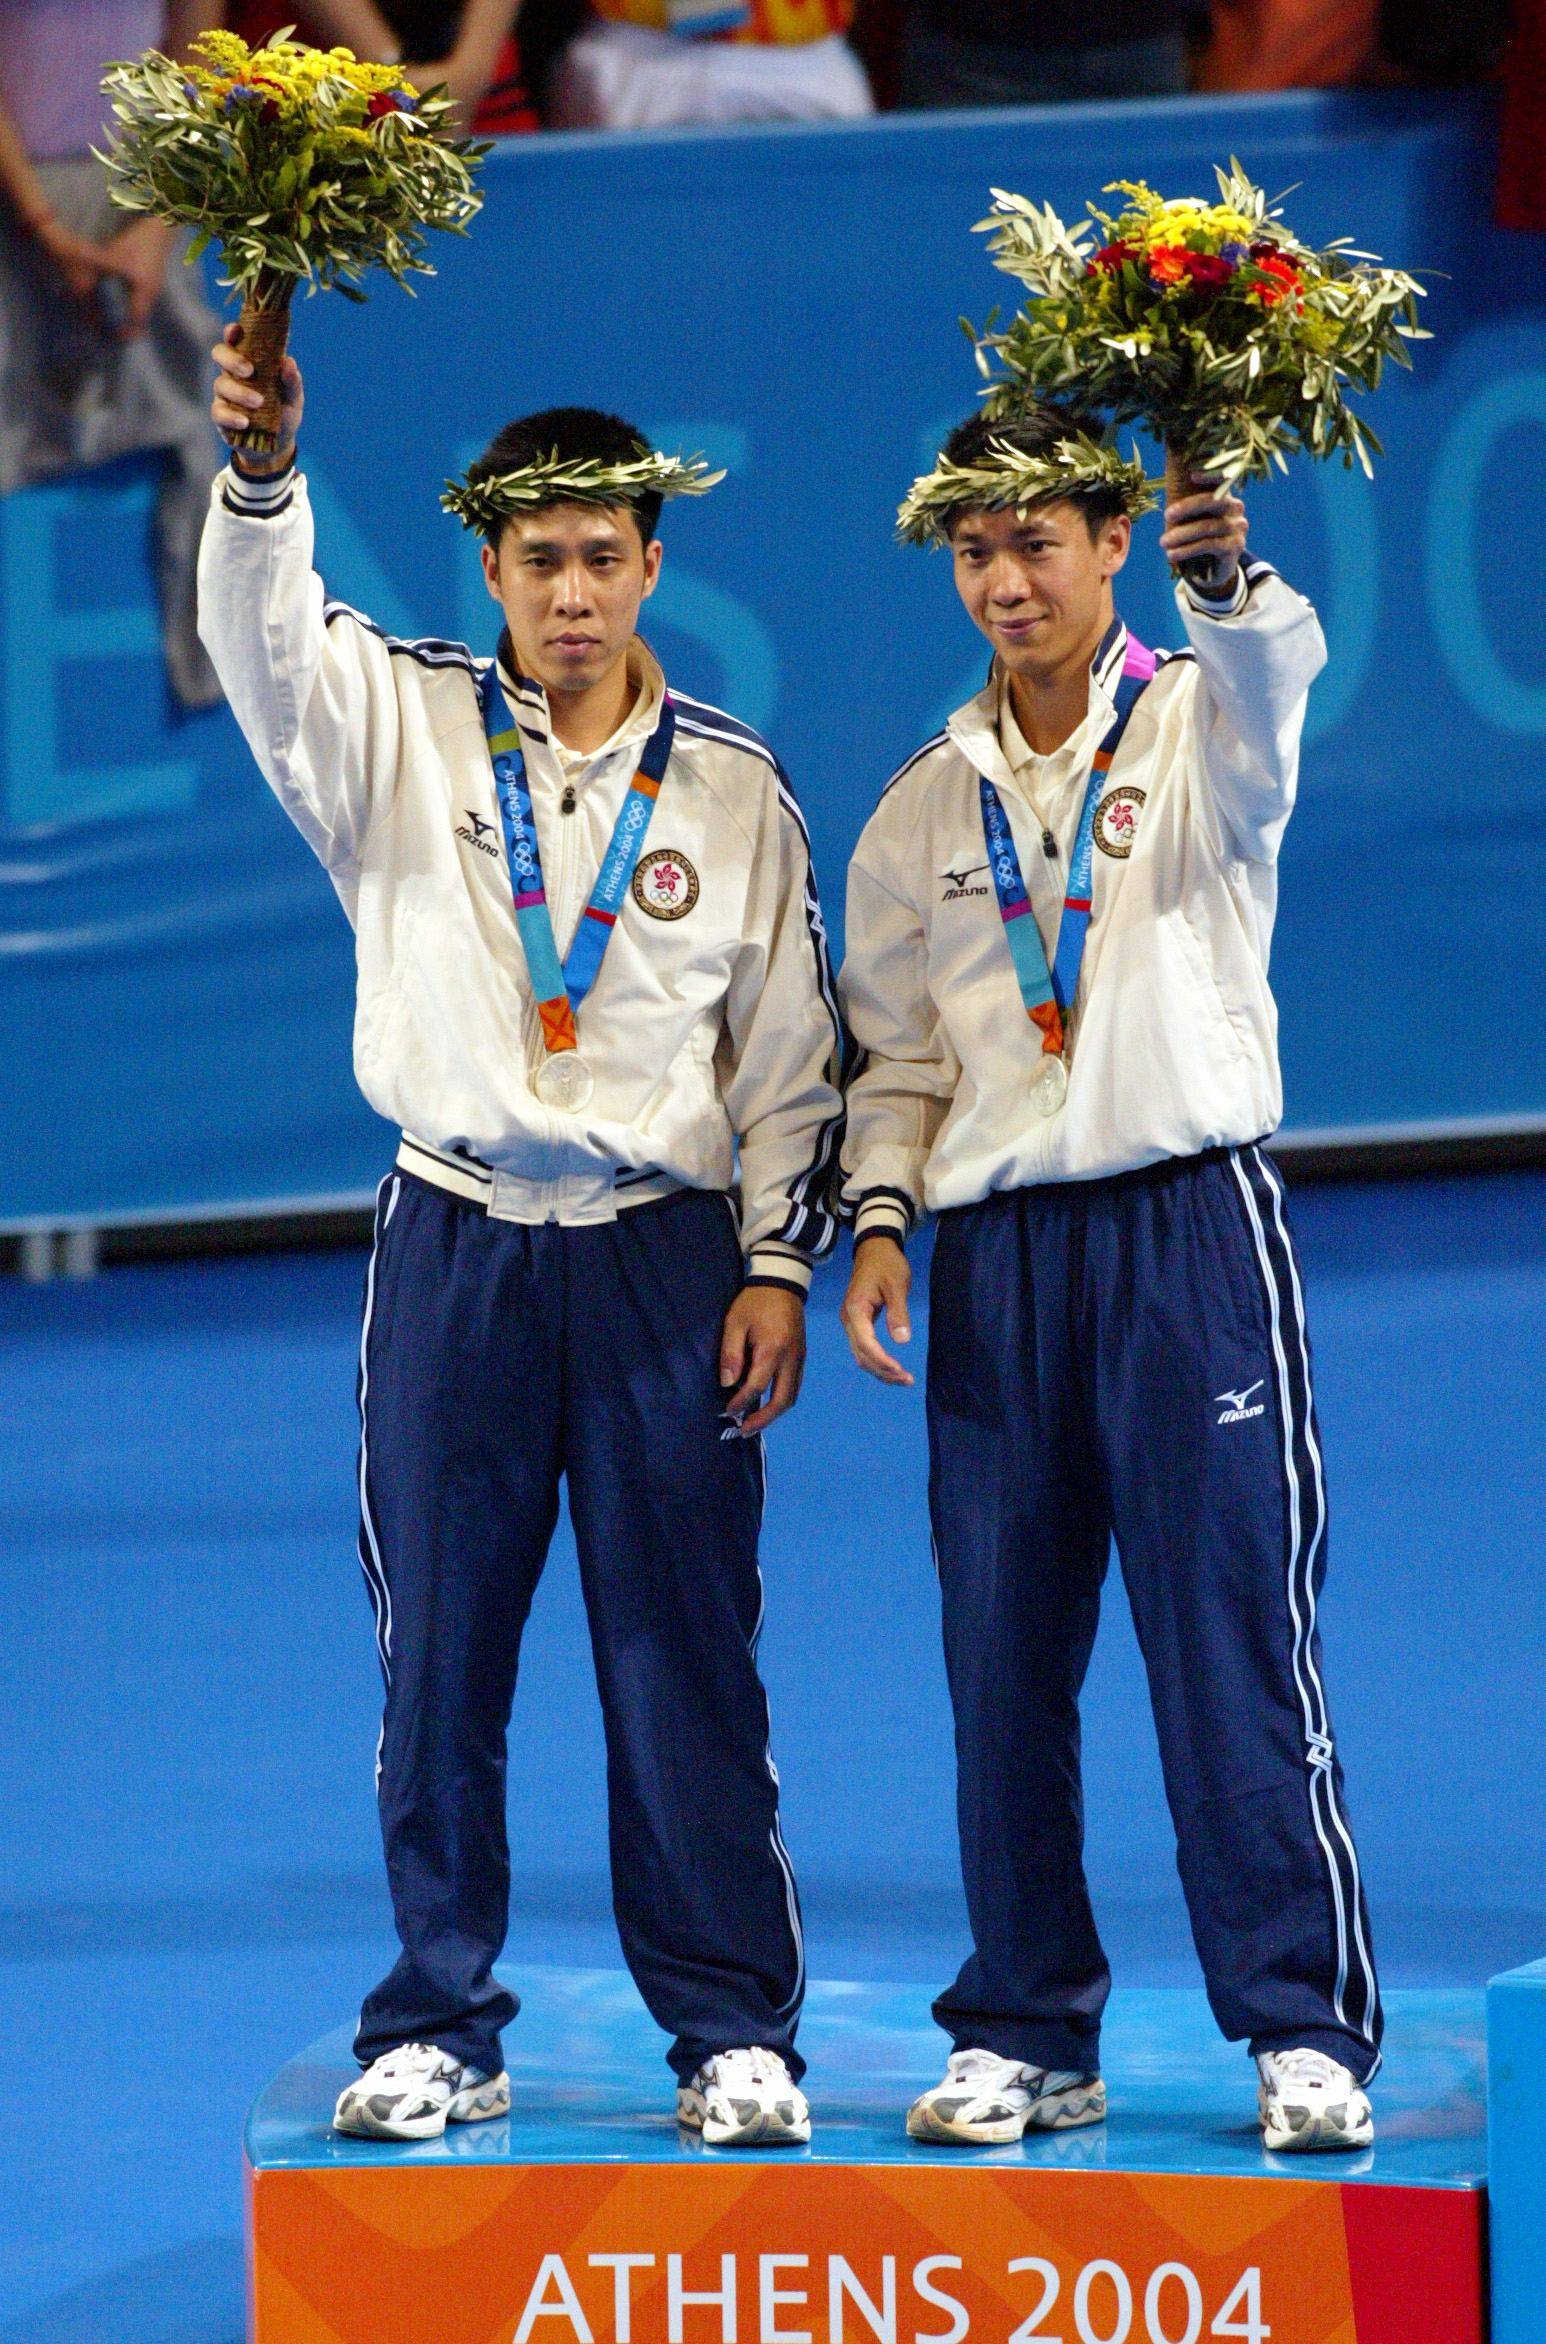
[(665, 884), (1116, 821)]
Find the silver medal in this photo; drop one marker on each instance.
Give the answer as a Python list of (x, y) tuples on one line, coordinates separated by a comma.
[(563, 1080), (1049, 1084)]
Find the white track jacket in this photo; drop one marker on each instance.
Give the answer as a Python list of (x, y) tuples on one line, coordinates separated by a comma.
[(712, 1027), (1173, 1041)]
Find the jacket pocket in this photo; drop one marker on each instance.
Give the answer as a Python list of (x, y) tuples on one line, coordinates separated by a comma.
[(1200, 967)]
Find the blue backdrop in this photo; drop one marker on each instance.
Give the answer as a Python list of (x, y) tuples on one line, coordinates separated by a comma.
[(175, 977)]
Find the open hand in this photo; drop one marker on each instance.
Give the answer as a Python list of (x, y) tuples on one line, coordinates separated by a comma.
[(139, 254), (235, 402), (881, 1281), (81, 263)]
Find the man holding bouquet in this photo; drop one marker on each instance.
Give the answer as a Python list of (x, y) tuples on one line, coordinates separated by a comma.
[(592, 970), (1058, 928)]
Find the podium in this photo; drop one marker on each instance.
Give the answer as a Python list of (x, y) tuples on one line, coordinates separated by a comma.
[(586, 2217)]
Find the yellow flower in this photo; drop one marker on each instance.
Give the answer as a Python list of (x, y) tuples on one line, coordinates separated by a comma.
[(299, 72), (225, 52), (1231, 225)]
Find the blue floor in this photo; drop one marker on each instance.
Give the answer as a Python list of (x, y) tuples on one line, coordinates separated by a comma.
[(187, 1842), (1182, 2100)]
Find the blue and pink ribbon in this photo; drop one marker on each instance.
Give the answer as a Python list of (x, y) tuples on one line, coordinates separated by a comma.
[(1048, 993), (561, 986)]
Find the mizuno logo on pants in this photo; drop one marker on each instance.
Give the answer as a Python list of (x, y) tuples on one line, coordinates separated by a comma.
[(1238, 1404)]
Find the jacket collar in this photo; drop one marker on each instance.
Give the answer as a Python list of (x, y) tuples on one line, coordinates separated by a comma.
[(975, 728), (529, 702)]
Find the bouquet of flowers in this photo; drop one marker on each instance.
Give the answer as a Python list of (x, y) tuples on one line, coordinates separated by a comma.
[(307, 167), (1209, 323)]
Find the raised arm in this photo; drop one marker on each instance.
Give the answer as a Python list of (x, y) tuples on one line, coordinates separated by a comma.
[(317, 701), (1259, 648)]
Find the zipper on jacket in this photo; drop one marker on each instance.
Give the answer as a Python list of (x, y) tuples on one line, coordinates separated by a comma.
[(566, 856), (1049, 845)]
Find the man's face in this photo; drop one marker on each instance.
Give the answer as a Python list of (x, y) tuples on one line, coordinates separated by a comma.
[(1036, 583), (570, 580)]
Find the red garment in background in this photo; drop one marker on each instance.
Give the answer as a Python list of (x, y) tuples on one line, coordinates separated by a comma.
[(1288, 44), (1522, 164), (505, 107)]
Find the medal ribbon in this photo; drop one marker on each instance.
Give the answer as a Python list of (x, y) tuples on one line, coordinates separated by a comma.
[(561, 986), (1048, 994)]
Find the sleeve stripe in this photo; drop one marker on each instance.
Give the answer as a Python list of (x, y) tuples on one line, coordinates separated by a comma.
[(258, 496), (917, 757), (258, 488), (263, 512), (884, 1211), (1218, 606), (428, 650), (887, 1196), (773, 1265), (811, 1222), (811, 1195)]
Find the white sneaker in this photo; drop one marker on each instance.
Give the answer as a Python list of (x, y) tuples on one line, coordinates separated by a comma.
[(984, 2098), (414, 2092), (1309, 2101), (744, 2099)]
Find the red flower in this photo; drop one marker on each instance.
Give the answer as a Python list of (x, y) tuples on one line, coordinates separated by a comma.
[(1177, 264), (1168, 263), (1283, 281), (380, 102), (1111, 256)]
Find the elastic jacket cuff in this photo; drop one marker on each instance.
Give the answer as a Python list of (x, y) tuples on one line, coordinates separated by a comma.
[(257, 498), (773, 1264), (1219, 606), (884, 1212)]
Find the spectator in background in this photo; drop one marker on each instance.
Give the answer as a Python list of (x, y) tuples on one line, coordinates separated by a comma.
[(1522, 160), (651, 64), (1042, 52), (1288, 44), (1327, 44), (470, 45), (102, 340)]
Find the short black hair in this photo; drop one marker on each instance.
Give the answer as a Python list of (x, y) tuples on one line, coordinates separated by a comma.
[(574, 434), (1032, 430)]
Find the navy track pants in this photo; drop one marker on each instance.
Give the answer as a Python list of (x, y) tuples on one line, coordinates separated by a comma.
[(496, 1358), (1129, 1357)]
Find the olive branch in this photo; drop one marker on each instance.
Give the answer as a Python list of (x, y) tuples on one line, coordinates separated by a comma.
[(482, 500), (1006, 478)]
